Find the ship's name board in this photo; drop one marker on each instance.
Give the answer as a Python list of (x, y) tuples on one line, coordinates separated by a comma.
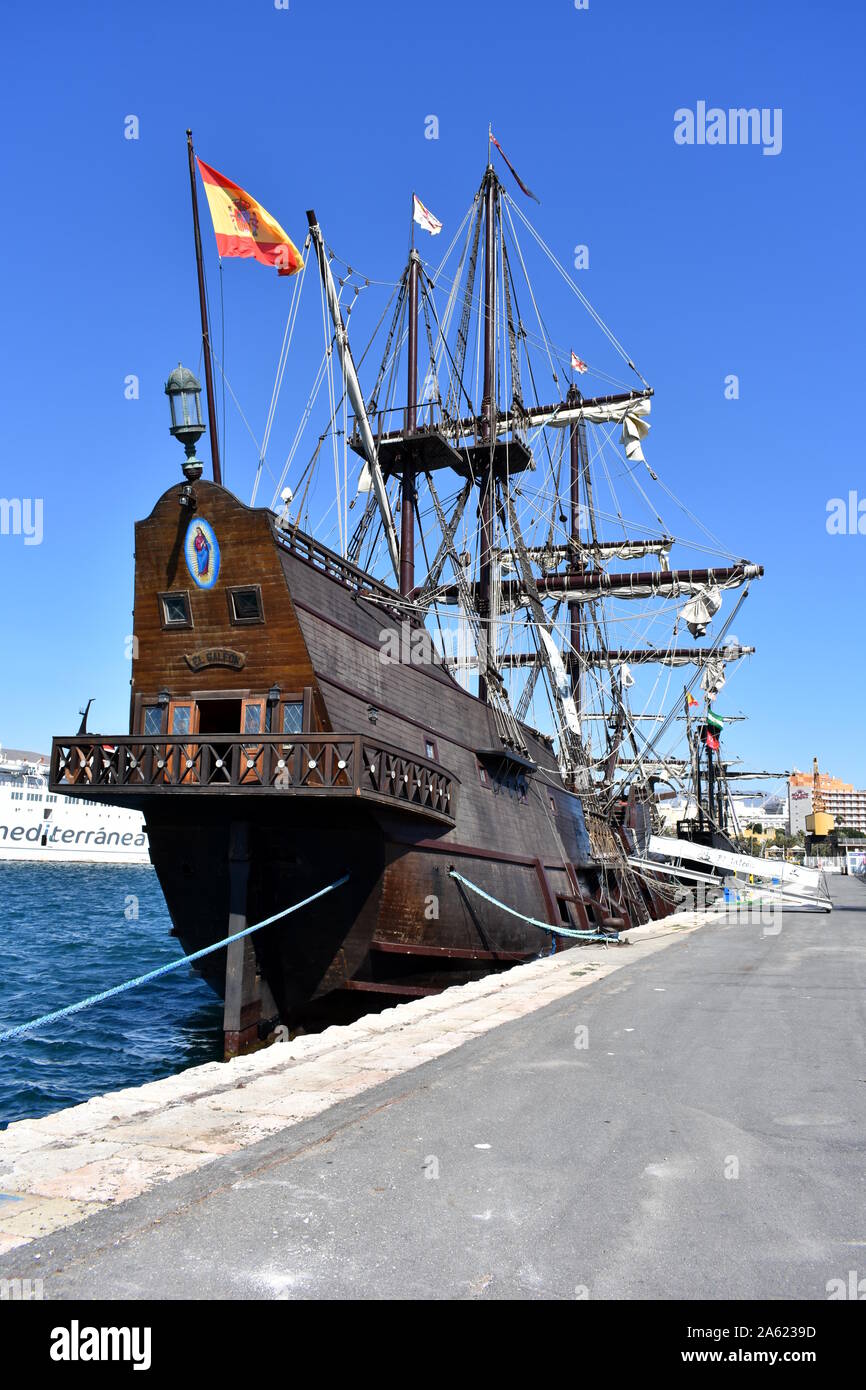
[(215, 656)]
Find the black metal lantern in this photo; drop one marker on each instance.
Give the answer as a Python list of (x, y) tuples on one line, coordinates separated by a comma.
[(184, 397)]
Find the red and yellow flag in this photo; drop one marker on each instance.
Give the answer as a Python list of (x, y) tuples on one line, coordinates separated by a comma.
[(243, 227)]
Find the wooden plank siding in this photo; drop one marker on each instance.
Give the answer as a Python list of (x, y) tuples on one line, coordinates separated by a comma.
[(322, 636), (415, 703), (274, 651)]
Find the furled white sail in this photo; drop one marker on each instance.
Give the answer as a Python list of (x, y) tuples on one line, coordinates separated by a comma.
[(672, 587), (631, 414), (563, 684), (570, 711), (634, 429), (713, 678), (560, 674)]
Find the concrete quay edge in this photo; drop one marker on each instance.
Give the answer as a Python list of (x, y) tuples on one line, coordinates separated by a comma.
[(58, 1170)]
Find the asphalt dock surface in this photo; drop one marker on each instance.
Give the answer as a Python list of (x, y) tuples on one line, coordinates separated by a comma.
[(704, 1138)]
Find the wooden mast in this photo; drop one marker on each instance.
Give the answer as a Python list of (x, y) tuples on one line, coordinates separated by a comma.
[(601, 582), (488, 425), (575, 616), (407, 506), (205, 329)]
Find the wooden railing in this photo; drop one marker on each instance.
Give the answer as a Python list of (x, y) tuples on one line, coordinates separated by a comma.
[(335, 566), (135, 768)]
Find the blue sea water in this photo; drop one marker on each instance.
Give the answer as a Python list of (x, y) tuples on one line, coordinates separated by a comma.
[(68, 931)]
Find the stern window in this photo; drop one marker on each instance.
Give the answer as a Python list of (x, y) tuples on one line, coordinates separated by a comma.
[(293, 716), (245, 605), (181, 719), (152, 719), (175, 610), (253, 717)]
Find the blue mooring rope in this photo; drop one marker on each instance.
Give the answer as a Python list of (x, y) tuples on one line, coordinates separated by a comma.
[(164, 969), (533, 921)]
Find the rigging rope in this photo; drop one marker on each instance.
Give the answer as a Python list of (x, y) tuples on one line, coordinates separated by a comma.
[(651, 744), (224, 449), (291, 319), (228, 384), (532, 509), (568, 280), (533, 921)]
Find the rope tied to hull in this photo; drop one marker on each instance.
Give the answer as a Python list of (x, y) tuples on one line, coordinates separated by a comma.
[(533, 921), (165, 969)]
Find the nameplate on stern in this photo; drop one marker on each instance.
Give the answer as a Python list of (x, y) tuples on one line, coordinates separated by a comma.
[(215, 656)]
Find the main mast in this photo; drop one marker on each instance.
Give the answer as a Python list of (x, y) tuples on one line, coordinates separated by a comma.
[(575, 610), (407, 506), (488, 427)]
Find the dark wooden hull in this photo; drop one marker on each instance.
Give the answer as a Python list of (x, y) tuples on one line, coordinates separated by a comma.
[(400, 920), (401, 924)]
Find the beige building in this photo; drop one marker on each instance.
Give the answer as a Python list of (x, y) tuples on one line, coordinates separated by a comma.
[(841, 800)]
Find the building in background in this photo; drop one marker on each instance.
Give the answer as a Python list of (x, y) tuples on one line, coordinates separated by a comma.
[(38, 824), (769, 811), (841, 800)]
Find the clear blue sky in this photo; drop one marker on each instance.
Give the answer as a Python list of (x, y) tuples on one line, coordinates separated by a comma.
[(707, 261)]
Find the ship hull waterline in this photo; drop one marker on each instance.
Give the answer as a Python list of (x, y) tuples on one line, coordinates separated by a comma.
[(255, 798), (401, 926)]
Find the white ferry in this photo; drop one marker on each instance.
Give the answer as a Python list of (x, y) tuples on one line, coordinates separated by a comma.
[(37, 824)]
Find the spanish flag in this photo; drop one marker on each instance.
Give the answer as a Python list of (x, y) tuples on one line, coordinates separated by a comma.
[(243, 227)]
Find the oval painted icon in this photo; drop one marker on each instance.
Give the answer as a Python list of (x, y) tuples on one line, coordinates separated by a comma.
[(202, 552)]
